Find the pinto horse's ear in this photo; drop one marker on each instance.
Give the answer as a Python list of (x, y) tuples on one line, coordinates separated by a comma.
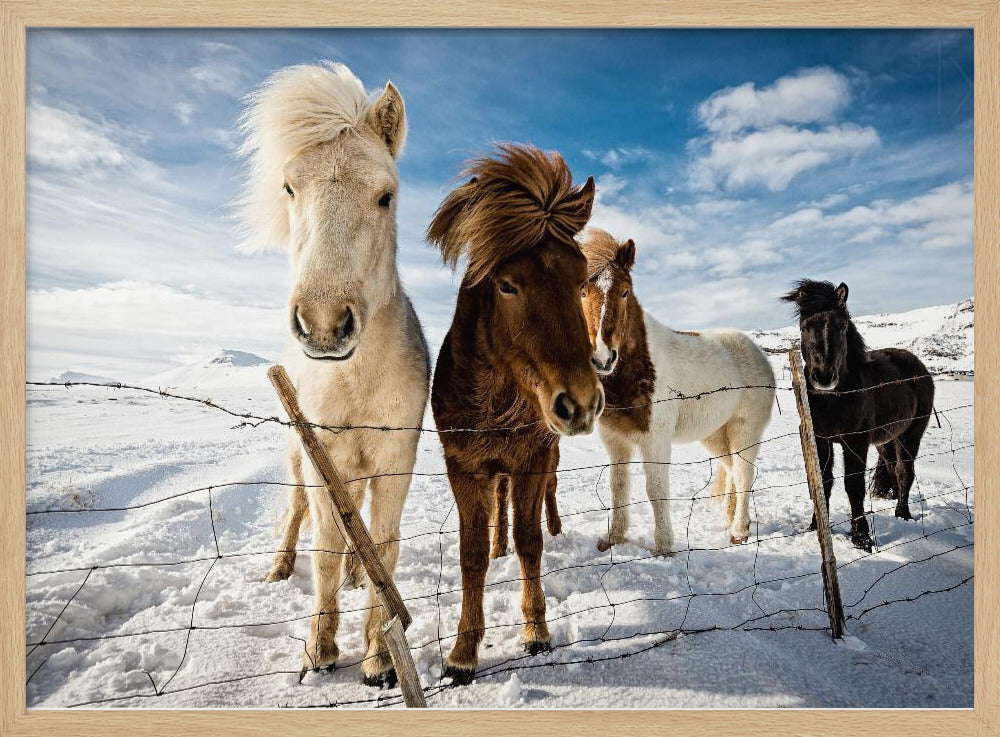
[(388, 117), (626, 255), (447, 227), (841, 293)]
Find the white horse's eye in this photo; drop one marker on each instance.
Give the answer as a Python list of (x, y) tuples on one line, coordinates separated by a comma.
[(288, 190), (385, 199)]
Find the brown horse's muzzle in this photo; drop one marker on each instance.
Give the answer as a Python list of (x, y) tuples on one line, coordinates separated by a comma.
[(574, 411)]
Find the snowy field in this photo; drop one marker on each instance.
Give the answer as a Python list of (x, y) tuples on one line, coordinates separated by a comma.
[(751, 619)]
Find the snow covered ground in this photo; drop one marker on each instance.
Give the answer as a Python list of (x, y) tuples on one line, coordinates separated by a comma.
[(751, 618)]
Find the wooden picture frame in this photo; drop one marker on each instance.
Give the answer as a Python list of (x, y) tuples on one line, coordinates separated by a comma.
[(17, 15)]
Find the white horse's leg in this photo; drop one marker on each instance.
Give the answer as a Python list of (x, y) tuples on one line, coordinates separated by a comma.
[(656, 456), (744, 449), (620, 453), (388, 493), (717, 445), (328, 550), (298, 505)]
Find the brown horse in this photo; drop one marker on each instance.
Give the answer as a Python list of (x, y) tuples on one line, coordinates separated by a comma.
[(514, 371)]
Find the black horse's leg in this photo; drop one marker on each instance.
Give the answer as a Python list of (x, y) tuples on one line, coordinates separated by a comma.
[(824, 449), (883, 484), (908, 449), (855, 455)]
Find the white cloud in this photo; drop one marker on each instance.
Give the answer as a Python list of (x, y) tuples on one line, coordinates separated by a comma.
[(126, 329), (616, 158), (808, 96), (66, 141), (767, 137), (773, 157), (183, 111)]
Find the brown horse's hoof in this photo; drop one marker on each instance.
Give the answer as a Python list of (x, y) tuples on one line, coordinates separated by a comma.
[(554, 524), (329, 669), (604, 545), (738, 539), (498, 552), (385, 679), (459, 676), (281, 570), (535, 647)]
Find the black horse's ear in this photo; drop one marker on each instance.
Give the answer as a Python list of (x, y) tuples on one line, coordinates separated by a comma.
[(841, 293), (626, 255)]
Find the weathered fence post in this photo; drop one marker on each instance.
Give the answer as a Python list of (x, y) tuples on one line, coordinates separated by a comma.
[(354, 529), (831, 585)]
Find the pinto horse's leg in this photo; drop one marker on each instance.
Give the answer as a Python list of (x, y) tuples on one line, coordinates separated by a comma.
[(620, 454), (528, 543), (884, 484), (656, 460), (388, 493), (552, 519), (501, 517), (855, 457), (824, 450), (472, 498), (298, 505)]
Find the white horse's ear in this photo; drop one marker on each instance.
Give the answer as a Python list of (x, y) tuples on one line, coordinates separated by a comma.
[(388, 118), (841, 293), (626, 255)]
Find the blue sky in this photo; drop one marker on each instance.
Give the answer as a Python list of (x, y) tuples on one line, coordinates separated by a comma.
[(738, 160)]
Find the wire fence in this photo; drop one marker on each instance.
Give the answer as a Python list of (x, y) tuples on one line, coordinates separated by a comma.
[(753, 600)]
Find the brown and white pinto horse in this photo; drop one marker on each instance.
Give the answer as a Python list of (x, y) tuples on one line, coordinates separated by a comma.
[(514, 367)]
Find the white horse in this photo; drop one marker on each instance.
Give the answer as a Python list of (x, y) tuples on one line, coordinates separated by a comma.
[(645, 368), (323, 184)]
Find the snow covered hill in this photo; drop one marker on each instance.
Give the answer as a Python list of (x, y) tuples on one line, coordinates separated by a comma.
[(225, 368), (75, 376), (941, 336)]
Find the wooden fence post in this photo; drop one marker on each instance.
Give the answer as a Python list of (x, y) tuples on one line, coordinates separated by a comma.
[(831, 584), (354, 529)]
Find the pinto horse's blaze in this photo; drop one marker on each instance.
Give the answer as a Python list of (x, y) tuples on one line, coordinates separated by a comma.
[(516, 359)]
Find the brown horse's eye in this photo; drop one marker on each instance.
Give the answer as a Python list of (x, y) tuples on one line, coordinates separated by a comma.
[(625, 294), (288, 190), (385, 199), (507, 288)]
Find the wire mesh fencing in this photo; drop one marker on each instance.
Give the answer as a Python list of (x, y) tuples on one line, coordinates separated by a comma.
[(613, 605)]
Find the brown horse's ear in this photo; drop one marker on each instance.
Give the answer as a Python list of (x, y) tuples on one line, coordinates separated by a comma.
[(388, 117), (447, 227), (841, 293), (586, 198), (626, 255)]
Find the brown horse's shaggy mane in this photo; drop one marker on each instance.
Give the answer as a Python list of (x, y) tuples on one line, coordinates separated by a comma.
[(600, 248), (515, 199)]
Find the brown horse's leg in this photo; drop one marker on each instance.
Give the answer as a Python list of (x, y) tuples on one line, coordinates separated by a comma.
[(528, 543), (473, 500), (298, 505), (501, 535), (552, 520)]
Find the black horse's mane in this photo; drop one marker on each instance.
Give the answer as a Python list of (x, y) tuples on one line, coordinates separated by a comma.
[(811, 297)]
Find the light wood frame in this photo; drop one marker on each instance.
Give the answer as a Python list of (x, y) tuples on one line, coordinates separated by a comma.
[(16, 15)]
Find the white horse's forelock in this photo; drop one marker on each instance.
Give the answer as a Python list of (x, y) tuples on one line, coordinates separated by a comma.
[(296, 107)]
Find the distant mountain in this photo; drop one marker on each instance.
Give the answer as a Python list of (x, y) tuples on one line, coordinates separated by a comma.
[(224, 369), (942, 337), (77, 376)]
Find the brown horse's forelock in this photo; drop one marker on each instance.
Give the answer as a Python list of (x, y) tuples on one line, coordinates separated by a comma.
[(516, 199)]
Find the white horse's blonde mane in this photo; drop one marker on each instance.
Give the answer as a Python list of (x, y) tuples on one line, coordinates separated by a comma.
[(296, 107)]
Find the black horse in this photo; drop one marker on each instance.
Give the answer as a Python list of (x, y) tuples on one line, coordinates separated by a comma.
[(860, 398)]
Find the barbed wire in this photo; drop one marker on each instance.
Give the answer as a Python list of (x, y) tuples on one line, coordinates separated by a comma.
[(636, 643)]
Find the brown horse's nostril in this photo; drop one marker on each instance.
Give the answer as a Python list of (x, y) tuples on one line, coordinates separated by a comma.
[(563, 407), (299, 326)]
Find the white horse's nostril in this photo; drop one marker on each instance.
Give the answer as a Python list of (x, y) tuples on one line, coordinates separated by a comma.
[(300, 321)]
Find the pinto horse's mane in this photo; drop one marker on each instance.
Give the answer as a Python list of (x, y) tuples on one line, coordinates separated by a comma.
[(600, 248), (515, 199), (812, 297)]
